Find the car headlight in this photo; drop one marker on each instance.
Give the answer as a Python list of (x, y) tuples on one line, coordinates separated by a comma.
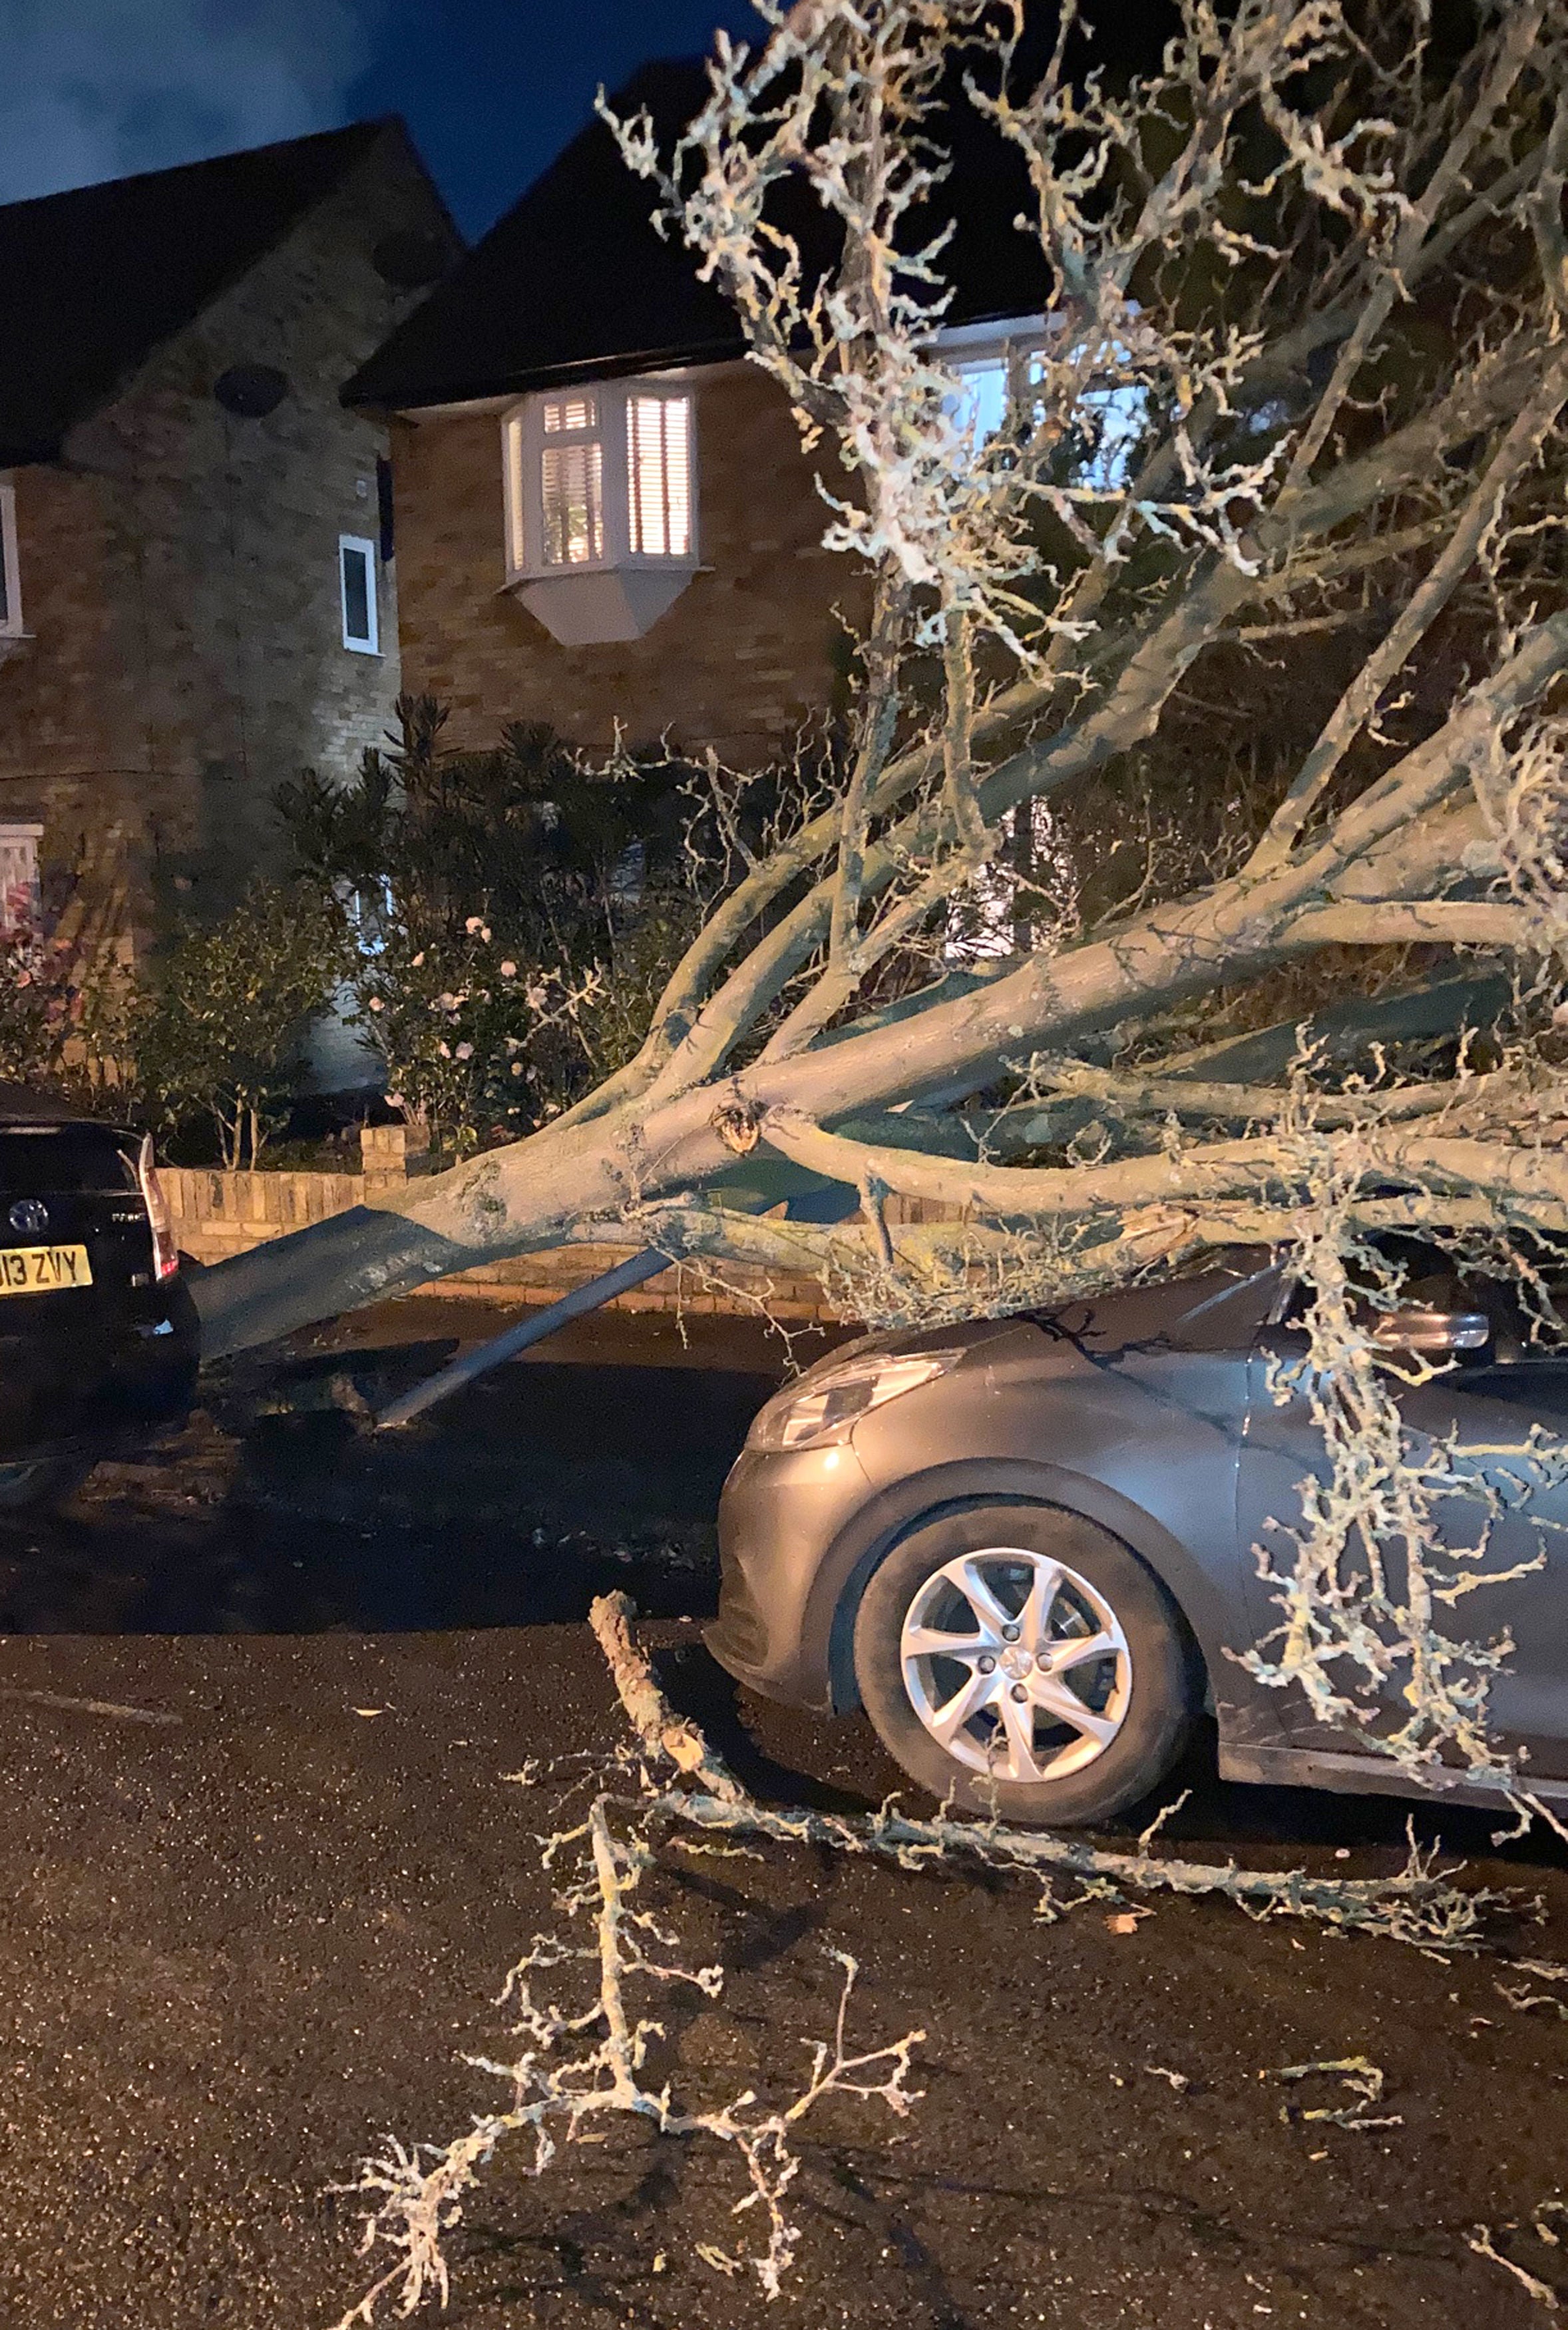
[(827, 1403)]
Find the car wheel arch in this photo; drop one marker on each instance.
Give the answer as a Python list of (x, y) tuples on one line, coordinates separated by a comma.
[(963, 1487)]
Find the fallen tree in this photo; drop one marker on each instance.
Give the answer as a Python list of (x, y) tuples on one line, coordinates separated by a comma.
[(1280, 472), (1294, 407)]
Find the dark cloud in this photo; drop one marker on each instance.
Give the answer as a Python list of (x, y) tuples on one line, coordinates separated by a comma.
[(93, 89)]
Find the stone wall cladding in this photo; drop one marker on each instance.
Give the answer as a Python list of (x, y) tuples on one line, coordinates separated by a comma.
[(752, 650), (178, 571), (219, 1214)]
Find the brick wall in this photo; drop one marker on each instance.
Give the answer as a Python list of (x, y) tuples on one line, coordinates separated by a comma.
[(219, 1214), (178, 573), (751, 649)]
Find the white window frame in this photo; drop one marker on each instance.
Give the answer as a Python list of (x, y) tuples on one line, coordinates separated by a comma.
[(362, 544), (10, 626), (524, 441)]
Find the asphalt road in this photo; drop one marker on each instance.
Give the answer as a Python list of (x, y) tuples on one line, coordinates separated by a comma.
[(268, 1873)]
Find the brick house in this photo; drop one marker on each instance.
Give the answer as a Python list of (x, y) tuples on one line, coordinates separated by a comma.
[(604, 515), (195, 580)]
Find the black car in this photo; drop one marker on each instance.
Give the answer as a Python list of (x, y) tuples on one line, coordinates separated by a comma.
[(1026, 1546), (99, 1339)]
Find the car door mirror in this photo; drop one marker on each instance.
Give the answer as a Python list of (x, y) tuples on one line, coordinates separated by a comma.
[(1422, 1327)]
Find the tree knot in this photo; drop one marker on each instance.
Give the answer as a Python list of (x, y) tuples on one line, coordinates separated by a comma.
[(738, 1124)]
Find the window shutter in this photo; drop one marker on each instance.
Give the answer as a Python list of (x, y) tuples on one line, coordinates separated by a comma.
[(659, 475), (383, 509), (516, 529), (10, 587)]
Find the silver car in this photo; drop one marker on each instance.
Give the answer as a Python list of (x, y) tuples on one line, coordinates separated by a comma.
[(1026, 1547)]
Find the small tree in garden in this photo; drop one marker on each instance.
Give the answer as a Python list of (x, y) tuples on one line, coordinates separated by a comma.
[(219, 1029), (508, 911), (1272, 526)]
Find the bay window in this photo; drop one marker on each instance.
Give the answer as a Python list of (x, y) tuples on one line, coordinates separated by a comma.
[(600, 526)]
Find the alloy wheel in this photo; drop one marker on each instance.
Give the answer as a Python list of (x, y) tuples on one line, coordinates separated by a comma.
[(1015, 1665)]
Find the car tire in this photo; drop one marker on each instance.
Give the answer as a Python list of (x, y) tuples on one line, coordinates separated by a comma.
[(28, 1488), (1010, 1754)]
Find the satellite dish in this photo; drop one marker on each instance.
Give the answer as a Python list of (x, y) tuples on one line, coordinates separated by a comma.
[(409, 261), (251, 391)]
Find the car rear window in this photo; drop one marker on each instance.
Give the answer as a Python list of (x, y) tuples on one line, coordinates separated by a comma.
[(63, 1160)]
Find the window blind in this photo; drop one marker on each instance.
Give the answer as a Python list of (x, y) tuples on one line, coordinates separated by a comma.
[(659, 478)]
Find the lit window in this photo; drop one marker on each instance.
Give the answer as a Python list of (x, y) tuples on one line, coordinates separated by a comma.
[(599, 477), (659, 475), (19, 895), (356, 585), (601, 491), (571, 490), (980, 406), (10, 581), (1113, 422), (572, 414)]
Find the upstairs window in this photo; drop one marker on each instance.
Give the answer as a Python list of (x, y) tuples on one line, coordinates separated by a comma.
[(658, 431), (599, 477), (996, 368), (600, 505), (356, 583), (10, 580), (980, 406), (570, 483)]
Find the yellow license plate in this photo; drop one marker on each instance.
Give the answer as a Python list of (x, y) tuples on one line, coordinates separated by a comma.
[(42, 1269)]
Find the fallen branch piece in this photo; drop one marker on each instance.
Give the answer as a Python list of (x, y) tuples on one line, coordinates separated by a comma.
[(1363, 2078), (1480, 2240), (1413, 1906)]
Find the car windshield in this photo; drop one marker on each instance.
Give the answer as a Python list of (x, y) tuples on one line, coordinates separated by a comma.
[(56, 1160)]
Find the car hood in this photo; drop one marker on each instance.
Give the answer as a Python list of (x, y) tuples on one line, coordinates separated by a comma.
[(1218, 1308)]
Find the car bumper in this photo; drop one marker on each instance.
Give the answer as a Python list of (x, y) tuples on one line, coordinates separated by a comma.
[(777, 1514)]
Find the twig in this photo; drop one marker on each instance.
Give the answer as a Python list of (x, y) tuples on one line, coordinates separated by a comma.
[(1480, 2240)]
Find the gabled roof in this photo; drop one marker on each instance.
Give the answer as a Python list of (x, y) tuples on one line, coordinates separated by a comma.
[(575, 282), (92, 281)]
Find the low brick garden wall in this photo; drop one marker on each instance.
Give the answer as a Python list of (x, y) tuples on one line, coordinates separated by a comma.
[(219, 1214)]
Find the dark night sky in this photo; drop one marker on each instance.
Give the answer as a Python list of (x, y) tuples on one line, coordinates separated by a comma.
[(491, 88)]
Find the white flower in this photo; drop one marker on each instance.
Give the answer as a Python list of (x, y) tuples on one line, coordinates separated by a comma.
[(485, 934), (445, 1051), (446, 1002), (376, 1004), (516, 1067), (465, 1051), (508, 971), (473, 923), (418, 959)]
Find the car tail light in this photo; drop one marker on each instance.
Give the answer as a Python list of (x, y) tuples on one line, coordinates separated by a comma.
[(166, 1253)]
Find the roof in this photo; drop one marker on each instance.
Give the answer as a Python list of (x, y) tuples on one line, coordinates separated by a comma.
[(92, 281), (575, 283)]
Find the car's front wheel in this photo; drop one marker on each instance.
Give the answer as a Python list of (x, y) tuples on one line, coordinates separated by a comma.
[(1020, 1661)]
